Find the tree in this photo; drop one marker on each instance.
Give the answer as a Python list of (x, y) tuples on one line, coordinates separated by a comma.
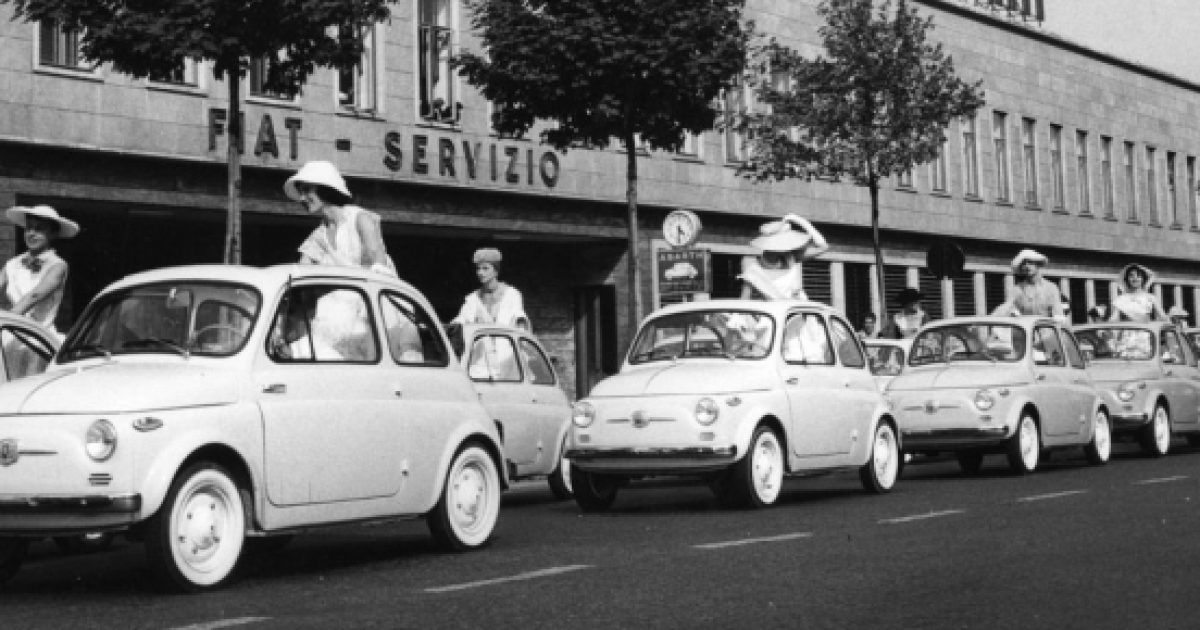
[(152, 38), (633, 70), (874, 106)]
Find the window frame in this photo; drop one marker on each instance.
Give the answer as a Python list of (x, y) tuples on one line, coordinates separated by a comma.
[(518, 366), (1083, 175), (1107, 181), (430, 322), (82, 69), (373, 54), (1058, 178), (1029, 161), (968, 128), (370, 315), (425, 62), (1000, 146), (830, 359)]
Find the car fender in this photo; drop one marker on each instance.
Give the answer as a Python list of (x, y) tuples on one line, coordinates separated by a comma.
[(184, 432), (1013, 414), (749, 418), (464, 433), (1153, 394)]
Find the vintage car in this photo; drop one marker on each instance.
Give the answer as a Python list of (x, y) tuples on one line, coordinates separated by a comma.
[(1149, 378), (681, 270), (1012, 385), (886, 358), (520, 389), (193, 407), (740, 393)]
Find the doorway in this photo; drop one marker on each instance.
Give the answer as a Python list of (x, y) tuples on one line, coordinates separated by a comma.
[(595, 336)]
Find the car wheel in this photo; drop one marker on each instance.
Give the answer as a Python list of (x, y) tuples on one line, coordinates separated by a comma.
[(755, 480), (12, 554), (1156, 436), (970, 462), (195, 539), (1024, 447), (84, 543), (1100, 448), (593, 492), (882, 469), (560, 479), (465, 517)]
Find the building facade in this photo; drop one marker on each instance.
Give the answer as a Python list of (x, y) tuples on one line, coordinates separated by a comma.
[(1086, 157)]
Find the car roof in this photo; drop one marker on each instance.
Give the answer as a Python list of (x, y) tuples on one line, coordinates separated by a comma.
[(1156, 324), (775, 307), (897, 343), (260, 277), (1024, 321)]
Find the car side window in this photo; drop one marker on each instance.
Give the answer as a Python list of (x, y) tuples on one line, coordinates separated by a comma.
[(323, 324), (412, 335), (1172, 349), (1074, 356), (1047, 349), (536, 365), (494, 358), (846, 342), (24, 354), (805, 340)]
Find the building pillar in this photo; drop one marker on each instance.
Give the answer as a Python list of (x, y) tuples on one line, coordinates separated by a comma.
[(948, 297), (876, 306), (837, 282), (980, 294), (1089, 289)]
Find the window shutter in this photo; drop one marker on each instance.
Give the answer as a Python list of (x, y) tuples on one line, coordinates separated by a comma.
[(817, 283)]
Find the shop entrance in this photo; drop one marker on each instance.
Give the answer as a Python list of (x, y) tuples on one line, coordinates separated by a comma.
[(595, 336)]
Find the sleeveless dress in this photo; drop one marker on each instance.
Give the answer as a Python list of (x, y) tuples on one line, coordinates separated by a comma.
[(775, 284), (1135, 307), (508, 310), (341, 244), (22, 279)]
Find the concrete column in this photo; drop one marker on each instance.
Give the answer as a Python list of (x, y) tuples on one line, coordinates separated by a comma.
[(1089, 288), (948, 297), (876, 307), (913, 278), (980, 294), (837, 282)]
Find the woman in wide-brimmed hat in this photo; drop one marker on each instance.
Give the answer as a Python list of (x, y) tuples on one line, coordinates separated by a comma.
[(1135, 302), (494, 302), (348, 235), (34, 282), (1031, 293), (908, 320), (775, 273), (1179, 316)]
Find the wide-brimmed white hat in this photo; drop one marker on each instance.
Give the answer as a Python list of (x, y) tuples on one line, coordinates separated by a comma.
[(1145, 271), (1029, 255), (779, 236), (318, 173), (66, 227), (1177, 311)]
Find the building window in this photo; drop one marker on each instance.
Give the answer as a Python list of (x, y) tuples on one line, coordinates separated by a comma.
[(185, 73), (438, 98), (261, 75), (1127, 160), (1000, 138), (358, 86), (905, 180), (1056, 167), (59, 48), (1106, 177), (1191, 193), (937, 171), (1029, 161), (691, 145), (1172, 192), (970, 157), (1151, 187), (736, 101), (1082, 176)]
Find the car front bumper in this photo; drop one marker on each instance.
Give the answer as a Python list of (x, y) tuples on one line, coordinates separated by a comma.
[(33, 515), (683, 460), (953, 439)]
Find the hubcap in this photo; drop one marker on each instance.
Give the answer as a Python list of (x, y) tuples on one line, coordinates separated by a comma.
[(203, 519), (1029, 447), (885, 456), (1162, 434), (767, 468), (469, 490), (1102, 436)]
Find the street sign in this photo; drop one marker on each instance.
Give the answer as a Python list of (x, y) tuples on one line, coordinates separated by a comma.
[(945, 259), (682, 271)]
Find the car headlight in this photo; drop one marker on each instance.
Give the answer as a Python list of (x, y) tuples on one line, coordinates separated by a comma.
[(1127, 391), (707, 411), (582, 414), (101, 441), (985, 399)]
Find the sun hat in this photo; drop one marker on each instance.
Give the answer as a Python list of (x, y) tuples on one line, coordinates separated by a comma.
[(486, 255), (779, 236), (1177, 311), (66, 227), (1031, 256), (318, 173), (1145, 271), (908, 296)]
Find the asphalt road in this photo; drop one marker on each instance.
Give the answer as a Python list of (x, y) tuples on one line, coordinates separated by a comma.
[(1071, 546)]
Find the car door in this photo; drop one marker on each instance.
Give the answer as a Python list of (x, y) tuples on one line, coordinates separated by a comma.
[(860, 389), (327, 404), (553, 411), (1052, 384), (817, 388), (495, 369), (1082, 389), (1178, 378), (26, 352)]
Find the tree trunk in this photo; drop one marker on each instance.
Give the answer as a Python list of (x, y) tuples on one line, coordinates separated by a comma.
[(233, 221), (635, 283), (873, 186)]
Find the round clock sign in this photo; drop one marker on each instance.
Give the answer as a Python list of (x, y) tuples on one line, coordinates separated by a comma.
[(681, 228)]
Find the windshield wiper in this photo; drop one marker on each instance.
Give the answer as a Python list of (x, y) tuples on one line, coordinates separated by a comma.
[(158, 341)]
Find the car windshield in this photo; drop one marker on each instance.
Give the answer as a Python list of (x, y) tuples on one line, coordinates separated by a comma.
[(1130, 344), (719, 333), (183, 318), (968, 342), (885, 360)]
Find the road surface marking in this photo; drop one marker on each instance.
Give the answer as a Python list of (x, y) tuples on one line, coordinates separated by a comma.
[(531, 575), (222, 623), (751, 541), (1161, 480), (918, 517), (1051, 495)]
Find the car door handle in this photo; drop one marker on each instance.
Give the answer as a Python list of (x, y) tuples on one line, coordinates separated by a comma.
[(275, 388), (398, 392), (1041, 377), (793, 381)]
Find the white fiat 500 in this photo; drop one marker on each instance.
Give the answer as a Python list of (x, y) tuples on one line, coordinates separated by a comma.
[(1012, 385), (195, 406), (1149, 379), (740, 393)]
